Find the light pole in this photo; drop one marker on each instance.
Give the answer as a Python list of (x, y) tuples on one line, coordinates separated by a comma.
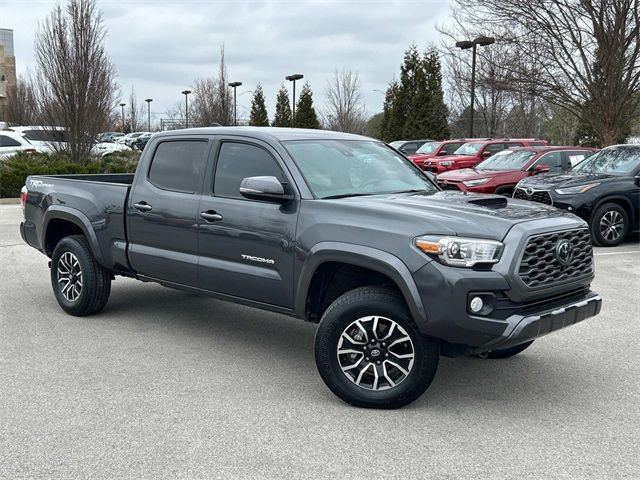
[(235, 85), (122, 106), (465, 44), (186, 107), (293, 78), (148, 100)]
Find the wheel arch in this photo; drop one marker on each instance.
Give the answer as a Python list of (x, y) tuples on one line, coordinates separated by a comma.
[(620, 200), (361, 257), (61, 221)]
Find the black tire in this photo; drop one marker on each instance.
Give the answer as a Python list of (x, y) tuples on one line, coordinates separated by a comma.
[(506, 352), (607, 214), (367, 302), (95, 280)]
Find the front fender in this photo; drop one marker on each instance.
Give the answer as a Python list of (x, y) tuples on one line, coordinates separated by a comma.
[(76, 217), (365, 257)]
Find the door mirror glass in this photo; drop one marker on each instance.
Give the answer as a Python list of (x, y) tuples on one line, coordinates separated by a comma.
[(267, 189), (541, 168), (486, 154)]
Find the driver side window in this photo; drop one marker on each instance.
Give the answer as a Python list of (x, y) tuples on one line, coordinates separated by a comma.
[(237, 161), (553, 160)]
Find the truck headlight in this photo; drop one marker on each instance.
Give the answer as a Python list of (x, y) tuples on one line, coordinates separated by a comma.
[(446, 163), (475, 183), (459, 251), (578, 189)]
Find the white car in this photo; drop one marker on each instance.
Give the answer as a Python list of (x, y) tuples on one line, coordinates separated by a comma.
[(12, 143), (129, 138), (50, 139)]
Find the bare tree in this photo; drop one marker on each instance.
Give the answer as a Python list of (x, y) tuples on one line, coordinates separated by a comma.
[(587, 54), (345, 110), (21, 102), (136, 116), (75, 81), (213, 102)]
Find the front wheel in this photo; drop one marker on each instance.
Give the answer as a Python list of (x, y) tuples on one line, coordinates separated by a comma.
[(609, 225), (81, 286), (370, 353)]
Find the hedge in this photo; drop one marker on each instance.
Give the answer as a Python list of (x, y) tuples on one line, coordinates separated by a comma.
[(14, 170)]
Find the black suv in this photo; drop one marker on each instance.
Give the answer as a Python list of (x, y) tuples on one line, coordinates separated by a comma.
[(604, 190)]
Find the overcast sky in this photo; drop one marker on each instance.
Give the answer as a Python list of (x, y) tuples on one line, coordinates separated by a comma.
[(160, 46)]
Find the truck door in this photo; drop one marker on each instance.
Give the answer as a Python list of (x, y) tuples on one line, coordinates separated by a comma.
[(162, 212), (246, 246)]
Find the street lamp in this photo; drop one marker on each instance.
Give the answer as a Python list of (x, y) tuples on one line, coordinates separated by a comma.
[(186, 107), (122, 106), (464, 45), (148, 100), (293, 78), (235, 85)]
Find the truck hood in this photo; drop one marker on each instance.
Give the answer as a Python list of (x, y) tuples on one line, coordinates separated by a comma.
[(465, 174), (565, 179), (448, 213)]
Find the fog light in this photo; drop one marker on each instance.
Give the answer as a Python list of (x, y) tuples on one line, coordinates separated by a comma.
[(476, 304)]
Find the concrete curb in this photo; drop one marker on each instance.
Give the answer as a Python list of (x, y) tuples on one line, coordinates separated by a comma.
[(9, 201)]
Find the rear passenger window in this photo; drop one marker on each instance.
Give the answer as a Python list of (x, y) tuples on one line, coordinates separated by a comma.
[(495, 147), (6, 141), (449, 148), (177, 165), (238, 161)]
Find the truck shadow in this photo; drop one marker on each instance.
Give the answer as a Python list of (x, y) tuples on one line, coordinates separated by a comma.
[(265, 343)]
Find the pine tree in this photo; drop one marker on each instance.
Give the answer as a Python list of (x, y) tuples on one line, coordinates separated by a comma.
[(392, 121), (436, 126), (259, 116), (306, 116), (283, 109)]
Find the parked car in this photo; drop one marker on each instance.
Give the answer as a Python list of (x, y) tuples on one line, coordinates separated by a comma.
[(472, 153), (109, 137), (141, 142), (328, 227), (501, 172), (603, 190), (408, 146), (435, 149), (129, 138), (50, 139), (12, 143)]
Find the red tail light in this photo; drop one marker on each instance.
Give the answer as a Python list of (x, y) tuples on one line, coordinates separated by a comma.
[(23, 197)]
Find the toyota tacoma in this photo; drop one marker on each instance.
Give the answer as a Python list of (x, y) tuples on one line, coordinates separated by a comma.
[(328, 227)]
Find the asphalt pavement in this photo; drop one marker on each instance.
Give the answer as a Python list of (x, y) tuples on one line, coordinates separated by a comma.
[(166, 384)]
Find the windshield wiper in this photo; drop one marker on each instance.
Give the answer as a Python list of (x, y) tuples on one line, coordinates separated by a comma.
[(344, 195), (413, 190)]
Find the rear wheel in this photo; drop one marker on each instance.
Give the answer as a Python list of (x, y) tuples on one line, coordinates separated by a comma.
[(609, 225), (81, 286), (370, 353)]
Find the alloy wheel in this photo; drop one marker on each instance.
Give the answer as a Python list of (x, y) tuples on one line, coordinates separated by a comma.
[(611, 225), (69, 276), (375, 353)]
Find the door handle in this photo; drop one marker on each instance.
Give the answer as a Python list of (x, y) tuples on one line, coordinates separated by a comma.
[(210, 216), (142, 206)]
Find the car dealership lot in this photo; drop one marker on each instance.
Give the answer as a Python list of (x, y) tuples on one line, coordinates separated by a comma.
[(166, 384)]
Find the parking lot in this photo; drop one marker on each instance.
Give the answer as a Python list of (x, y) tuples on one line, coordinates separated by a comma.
[(166, 384)]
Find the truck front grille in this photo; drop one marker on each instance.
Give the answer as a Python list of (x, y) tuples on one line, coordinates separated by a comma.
[(541, 196), (544, 264)]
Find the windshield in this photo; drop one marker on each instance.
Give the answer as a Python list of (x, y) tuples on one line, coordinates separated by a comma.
[(506, 160), (470, 148), (429, 147), (619, 160), (45, 135), (342, 168)]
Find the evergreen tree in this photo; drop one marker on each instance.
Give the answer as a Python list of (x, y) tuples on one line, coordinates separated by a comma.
[(436, 126), (306, 116), (259, 116), (283, 109), (392, 121)]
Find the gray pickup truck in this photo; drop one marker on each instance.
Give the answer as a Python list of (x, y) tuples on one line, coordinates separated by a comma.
[(332, 228)]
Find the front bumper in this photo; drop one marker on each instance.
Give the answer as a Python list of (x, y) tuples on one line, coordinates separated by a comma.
[(521, 329)]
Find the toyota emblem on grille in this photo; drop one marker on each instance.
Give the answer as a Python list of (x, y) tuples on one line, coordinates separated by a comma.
[(529, 191), (564, 252)]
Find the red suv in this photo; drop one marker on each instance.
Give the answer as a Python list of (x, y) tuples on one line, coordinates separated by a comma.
[(501, 172), (473, 152), (436, 149)]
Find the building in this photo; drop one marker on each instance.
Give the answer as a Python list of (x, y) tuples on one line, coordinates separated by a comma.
[(7, 69)]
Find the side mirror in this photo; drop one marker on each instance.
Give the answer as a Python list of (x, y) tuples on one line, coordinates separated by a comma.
[(267, 189), (541, 168), (486, 154)]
